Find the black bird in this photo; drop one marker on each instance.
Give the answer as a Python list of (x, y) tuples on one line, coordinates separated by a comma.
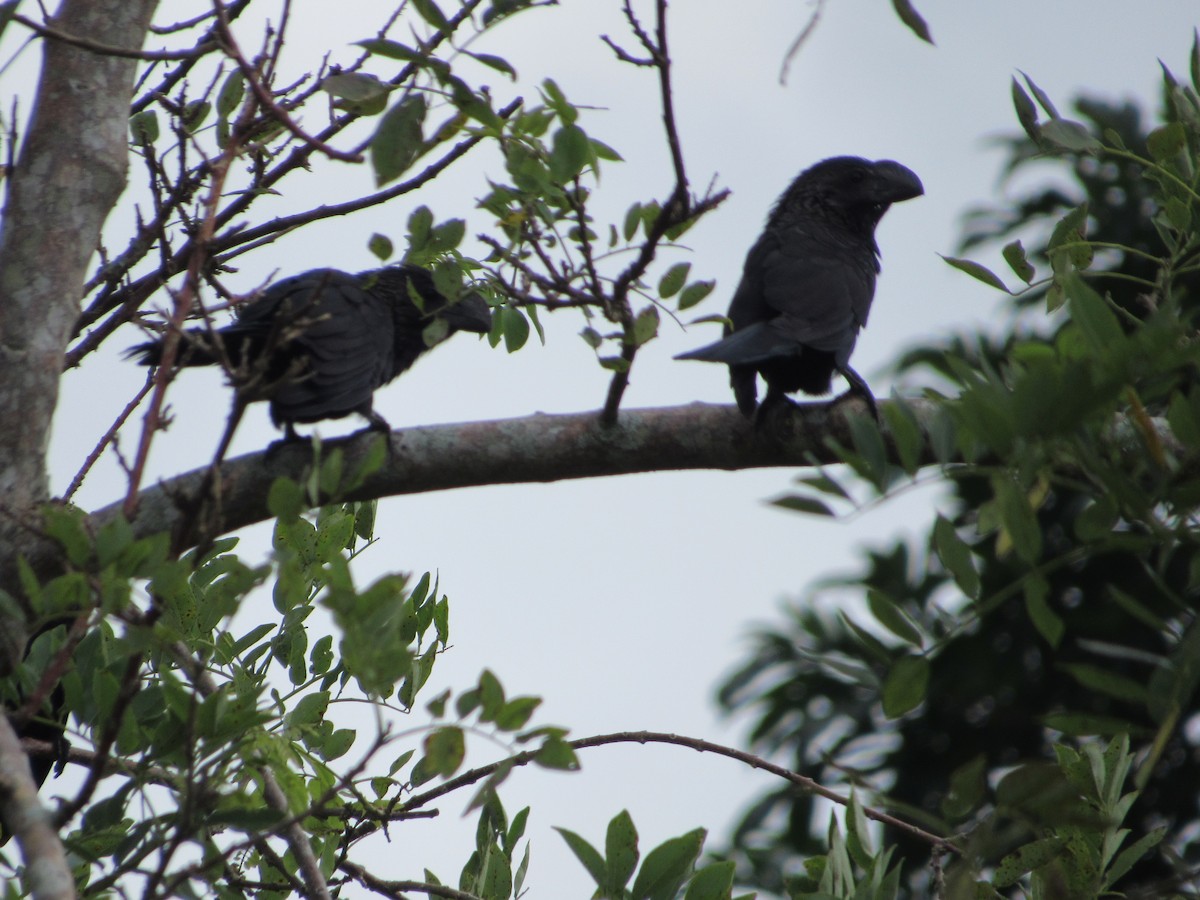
[(808, 282), (317, 345)]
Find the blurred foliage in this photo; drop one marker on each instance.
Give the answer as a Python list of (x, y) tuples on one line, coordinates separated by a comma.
[(1023, 681)]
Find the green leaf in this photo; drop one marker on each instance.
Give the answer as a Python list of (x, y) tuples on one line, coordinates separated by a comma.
[(977, 271), (673, 279), (557, 101), (905, 685), (645, 326), (1092, 314), (890, 615), (337, 744), (1018, 519), (586, 854), (556, 753), (381, 246), (420, 227), (1025, 859), (144, 127), (1048, 623), (390, 50), (956, 556), (398, 140), (569, 154), (491, 696), (356, 87), (445, 750), (1193, 60), (1042, 97), (499, 63), (516, 713), (905, 433), (1102, 681), (1014, 255), (802, 504), (910, 17), (968, 788), (1069, 135), (1131, 854), (447, 236), (233, 89), (515, 328), (621, 851), (694, 293), (1167, 141), (1184, 418), (429, 11), (64, 524), (1027, 113), (713, 882), (667, 866), (633, 218), (310, 710)]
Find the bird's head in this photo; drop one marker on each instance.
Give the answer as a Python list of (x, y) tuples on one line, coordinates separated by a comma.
[(854, 189), (469, 313)]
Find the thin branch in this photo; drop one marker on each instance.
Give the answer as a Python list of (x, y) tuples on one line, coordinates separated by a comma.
[(818, 7), (397, 888), (254, 79), (656, 737), (56, 34), (296, 837), (108, 437)]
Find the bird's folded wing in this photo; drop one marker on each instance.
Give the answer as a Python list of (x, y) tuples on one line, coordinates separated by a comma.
[(821, 299), (344, 336)]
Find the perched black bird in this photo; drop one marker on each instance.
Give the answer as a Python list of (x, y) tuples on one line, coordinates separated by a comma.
[(808, 282), (317, 345)]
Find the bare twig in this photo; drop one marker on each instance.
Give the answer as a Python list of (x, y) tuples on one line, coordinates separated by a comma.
[(794, 48), (656, 737), (107, 439), (255, 80), (197, 258), (56, 34), (397, 888)]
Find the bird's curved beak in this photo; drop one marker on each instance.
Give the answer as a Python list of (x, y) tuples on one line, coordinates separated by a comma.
[(470, 313), (897, 182)]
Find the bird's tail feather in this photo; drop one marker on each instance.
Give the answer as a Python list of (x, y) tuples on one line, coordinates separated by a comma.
[(746, 347), (192, 352)]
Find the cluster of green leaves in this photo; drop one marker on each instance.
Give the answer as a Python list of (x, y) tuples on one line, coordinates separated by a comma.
[(1053, 601), (852, 868), (664, 872), (193, 710), (552, 241)]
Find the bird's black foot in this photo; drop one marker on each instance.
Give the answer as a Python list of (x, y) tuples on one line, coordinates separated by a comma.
[(774, 417), (377, 424), (858, 388), (290, 439)]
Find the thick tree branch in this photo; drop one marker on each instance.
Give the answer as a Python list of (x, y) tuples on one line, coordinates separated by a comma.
[(537, 448), (47, 874)]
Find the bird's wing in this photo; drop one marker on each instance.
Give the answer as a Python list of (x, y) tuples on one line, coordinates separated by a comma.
[(342, 337), (820, 297)]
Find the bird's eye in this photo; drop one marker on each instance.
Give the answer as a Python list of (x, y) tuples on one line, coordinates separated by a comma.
[(857, 175)]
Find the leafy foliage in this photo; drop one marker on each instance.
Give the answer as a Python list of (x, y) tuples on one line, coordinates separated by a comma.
[(1024, 680)]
